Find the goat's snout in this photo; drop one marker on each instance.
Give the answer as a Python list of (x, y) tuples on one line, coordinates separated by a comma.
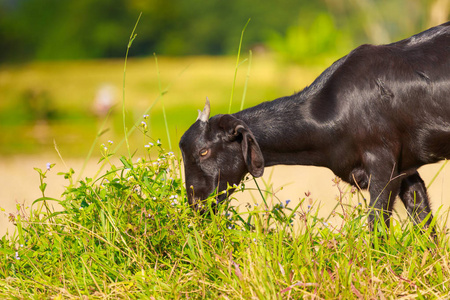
[(196, 204), (200, 205), (196, 200)]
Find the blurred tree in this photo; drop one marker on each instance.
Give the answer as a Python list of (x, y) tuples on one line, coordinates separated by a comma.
[(384, 21), (318, 40), (344, 24), (56, 29)]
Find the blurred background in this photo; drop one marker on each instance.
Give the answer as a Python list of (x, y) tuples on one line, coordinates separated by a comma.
[(62, 61), (62, 69)]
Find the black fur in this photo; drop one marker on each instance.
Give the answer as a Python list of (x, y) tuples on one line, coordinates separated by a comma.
[(373, 118)]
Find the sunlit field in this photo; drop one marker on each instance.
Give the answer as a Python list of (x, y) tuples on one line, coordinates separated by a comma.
[(46, 102)]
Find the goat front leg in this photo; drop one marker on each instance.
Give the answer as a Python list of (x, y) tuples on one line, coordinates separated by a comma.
[(413, 194), (382, 199), (384, 188)]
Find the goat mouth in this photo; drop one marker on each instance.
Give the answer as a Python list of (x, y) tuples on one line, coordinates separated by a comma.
[(200, 205)]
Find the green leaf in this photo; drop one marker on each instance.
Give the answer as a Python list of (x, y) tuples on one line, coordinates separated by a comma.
[(126, 163)]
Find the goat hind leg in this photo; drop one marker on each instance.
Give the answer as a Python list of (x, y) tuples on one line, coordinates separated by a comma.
[(413, 194)]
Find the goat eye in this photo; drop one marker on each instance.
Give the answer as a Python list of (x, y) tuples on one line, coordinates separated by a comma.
[(204, 152)]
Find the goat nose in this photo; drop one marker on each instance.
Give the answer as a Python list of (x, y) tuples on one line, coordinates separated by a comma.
[(198, 204), (194, 202)]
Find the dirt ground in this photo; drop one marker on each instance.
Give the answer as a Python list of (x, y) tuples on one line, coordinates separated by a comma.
[(19, 184)]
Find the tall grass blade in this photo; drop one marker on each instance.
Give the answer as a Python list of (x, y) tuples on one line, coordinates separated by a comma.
[(237, 66), (130, 42), (246, 79), (260, 192), (161, 94), (437, 174)]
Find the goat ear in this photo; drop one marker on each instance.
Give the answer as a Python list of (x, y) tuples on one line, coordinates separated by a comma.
[(250, 149)]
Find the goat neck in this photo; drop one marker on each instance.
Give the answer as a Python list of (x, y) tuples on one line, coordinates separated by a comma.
[(285, 134)]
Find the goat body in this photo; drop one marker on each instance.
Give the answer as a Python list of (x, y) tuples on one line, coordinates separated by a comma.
[(374, 116)]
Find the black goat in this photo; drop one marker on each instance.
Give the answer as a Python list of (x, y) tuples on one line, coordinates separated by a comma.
[(373, 118)]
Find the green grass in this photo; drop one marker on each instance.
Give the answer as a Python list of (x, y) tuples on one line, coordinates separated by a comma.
[(129, 233)]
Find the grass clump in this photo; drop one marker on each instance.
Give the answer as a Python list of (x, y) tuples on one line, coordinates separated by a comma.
[(131, 234)]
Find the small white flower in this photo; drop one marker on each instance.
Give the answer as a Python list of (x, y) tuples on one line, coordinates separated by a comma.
[(110, 142), (147, 146), (49, 166), (17, 256)]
